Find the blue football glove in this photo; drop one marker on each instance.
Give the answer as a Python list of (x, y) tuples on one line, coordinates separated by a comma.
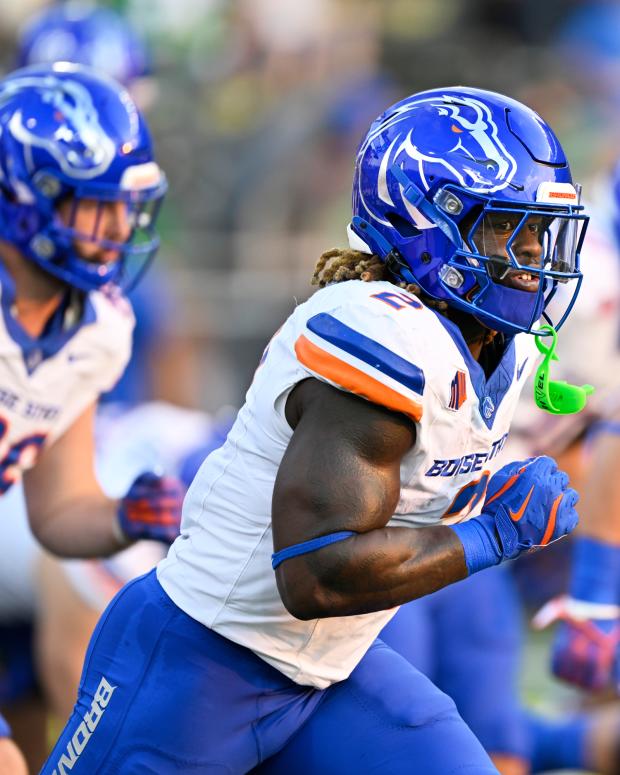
[(585, 646), (152, 508), (528, 504)]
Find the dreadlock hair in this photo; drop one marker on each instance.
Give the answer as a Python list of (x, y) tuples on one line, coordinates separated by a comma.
[(340, 264)]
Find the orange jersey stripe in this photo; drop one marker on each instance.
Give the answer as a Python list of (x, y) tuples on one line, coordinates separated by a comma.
[(354, 380)]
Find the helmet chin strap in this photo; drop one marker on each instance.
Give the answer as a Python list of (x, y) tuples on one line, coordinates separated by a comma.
[(359, 227)]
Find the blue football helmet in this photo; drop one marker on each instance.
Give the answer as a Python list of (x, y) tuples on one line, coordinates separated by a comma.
[(468, 194), (79, 31), (69, 134)]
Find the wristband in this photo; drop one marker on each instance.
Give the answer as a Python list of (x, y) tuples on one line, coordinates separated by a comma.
[(480, 544)]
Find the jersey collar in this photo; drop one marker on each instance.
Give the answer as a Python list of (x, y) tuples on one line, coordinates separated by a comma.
[(490, 392), (56, 333)]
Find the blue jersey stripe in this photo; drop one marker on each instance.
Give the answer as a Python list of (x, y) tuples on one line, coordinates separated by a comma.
[(367, 350)]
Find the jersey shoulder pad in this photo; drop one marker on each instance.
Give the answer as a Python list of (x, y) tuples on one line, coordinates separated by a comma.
[(368, 339)]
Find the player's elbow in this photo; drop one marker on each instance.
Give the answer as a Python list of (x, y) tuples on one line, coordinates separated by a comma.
[(46, 536), (301, 609), (302, 596), (40, 528)]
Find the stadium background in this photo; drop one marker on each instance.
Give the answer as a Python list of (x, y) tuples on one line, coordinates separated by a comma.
[(258, 109)]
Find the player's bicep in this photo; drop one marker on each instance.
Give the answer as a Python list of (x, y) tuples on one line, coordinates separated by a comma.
[(341, 470), (63, 471)]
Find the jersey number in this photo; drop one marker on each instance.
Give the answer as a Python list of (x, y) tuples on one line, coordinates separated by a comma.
[(468, 497)]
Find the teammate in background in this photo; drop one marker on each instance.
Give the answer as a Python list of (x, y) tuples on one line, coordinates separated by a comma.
[(379, 406), (84, 33), (162, 364), (79, 194), (79, 197), (586, 643)]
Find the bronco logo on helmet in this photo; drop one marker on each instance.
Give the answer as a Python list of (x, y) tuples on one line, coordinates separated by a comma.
[(67, 124), (69, 134), (471, 150)]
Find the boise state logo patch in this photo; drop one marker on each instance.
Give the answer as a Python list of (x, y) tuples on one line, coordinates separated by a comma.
[(488, 407)]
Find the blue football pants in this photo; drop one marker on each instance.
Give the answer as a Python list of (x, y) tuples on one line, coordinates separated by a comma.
[(468, 639), (162, 694)]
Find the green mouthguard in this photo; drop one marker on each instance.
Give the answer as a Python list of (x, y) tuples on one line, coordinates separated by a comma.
[(556, 397)]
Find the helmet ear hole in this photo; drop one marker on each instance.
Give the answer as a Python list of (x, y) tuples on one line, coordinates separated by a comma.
[(27, 222), (404, 227)]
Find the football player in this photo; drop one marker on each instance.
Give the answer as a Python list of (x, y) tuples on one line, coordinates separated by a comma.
[(361, 473), (79, 194), (161, 364)]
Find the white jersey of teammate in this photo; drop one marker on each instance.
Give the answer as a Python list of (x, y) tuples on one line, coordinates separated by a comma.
[(46, 383), (381, 343)]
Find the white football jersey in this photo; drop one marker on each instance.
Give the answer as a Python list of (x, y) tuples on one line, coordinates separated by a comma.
[(381, 343), (47, 382)]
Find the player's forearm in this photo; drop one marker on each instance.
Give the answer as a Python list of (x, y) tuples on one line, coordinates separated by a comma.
[(372, 571), (85, 526)]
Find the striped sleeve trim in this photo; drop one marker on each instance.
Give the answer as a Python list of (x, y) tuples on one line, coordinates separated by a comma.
[(348, 377), (370, 352)]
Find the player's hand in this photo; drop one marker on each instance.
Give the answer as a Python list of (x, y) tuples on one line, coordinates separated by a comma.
[(151, 509), (530, 504), (585, 646)]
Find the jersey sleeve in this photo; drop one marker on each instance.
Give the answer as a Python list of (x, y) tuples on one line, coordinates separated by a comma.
[(370, 351)]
